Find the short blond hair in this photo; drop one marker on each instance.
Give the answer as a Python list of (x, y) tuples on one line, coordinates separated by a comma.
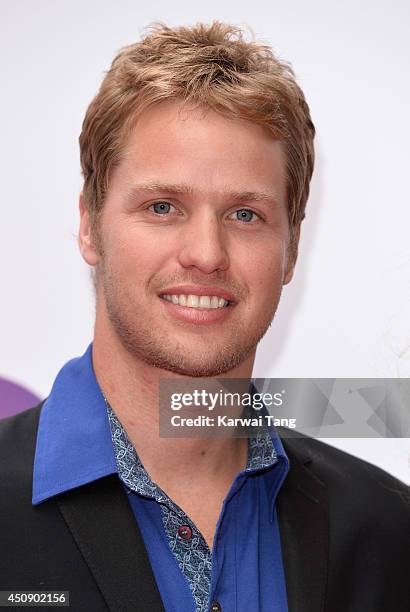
[(209, 65)]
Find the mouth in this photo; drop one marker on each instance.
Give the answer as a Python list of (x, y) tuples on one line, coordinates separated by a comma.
[(197, 307), (203, 302)]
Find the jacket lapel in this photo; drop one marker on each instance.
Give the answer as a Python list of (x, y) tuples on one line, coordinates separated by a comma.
[(104, 528), (304, 531)]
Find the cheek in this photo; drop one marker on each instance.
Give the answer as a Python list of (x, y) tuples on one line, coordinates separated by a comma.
[(264, 267), (132, 253)]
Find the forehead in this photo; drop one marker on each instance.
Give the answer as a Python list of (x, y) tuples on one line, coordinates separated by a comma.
[(202, 151)]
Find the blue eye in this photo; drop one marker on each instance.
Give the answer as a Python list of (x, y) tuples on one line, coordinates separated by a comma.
[(244, 214), (161, 208)]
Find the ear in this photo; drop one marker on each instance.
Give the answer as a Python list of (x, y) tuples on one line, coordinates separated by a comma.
[(85, 238), (292, 255)]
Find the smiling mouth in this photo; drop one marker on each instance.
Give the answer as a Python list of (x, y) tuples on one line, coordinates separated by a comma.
[(204, 302)]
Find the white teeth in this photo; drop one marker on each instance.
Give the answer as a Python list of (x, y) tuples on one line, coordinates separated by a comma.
[(196, 301), (192, 301), (205, 301)]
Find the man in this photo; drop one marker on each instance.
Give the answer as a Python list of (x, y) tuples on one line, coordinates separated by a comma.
[(197, 154)]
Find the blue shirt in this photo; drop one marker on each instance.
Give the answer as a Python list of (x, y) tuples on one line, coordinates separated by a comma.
[(80, 439)]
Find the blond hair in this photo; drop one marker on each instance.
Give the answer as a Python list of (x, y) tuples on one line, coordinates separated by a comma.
[(209, 65)]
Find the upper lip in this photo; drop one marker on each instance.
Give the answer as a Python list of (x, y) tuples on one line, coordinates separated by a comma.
[(199, 290)]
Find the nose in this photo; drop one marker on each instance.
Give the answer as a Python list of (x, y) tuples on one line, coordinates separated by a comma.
[(203, 243)]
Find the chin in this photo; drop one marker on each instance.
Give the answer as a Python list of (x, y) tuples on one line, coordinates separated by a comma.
[(212, 366), (201, 355)]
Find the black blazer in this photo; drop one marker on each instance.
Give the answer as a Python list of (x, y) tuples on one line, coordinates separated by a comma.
[(344, 525)]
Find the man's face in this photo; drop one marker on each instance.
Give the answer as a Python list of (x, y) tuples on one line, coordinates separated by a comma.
[(196, 206)]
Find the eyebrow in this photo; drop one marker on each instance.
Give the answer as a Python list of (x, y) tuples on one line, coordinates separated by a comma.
[(184, 189)]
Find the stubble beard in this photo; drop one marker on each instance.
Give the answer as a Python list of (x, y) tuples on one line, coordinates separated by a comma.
[(144, 340)]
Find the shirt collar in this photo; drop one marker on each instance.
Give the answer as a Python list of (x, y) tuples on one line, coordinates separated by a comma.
[(265, 451), (73, 444), (74, 441), (277, 476)]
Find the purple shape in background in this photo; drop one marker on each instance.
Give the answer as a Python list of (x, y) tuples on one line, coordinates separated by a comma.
[(14, 398)]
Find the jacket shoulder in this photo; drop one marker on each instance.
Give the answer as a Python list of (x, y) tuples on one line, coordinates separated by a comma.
[(18, 425), (352, 483), (18, 436)]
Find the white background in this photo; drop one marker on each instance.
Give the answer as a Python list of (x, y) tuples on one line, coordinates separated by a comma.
[(346, 313)]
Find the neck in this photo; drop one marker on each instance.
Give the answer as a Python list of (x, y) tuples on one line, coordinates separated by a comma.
[(131, 387)]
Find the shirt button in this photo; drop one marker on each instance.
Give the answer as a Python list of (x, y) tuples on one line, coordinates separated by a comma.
[(216, 606), (185, 532)]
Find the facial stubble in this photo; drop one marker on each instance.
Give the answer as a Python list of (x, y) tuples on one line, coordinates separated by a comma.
[(158, 346)]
